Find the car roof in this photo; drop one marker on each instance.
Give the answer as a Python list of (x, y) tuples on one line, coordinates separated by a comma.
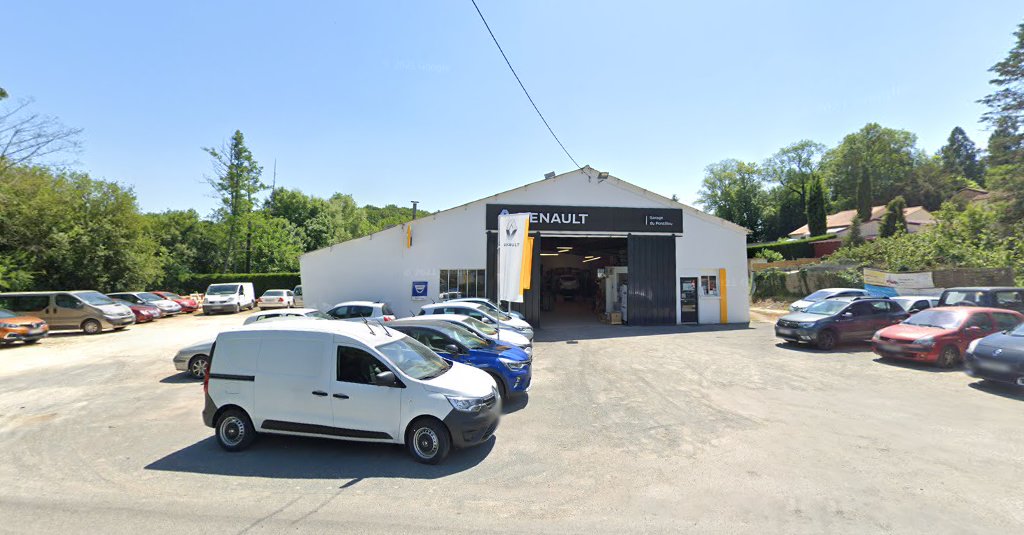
[(983, 289), (358, 303), (842, 290), (284, 311), (418, 323), (370, 333), (438, 317), (935, 297), (277, 290), (469, 304), (975, 309), (852, 298)]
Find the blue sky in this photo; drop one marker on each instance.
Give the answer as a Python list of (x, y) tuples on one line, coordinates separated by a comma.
[(395, 101)]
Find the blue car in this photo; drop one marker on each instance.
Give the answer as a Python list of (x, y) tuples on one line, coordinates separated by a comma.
[(510, 366)]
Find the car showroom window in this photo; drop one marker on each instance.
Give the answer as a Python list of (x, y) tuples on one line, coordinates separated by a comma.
[(709, 285), (467, 282), (1004, 321), (357, 366)]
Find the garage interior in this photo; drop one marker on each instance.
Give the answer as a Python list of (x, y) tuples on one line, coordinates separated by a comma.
[(581, 278)]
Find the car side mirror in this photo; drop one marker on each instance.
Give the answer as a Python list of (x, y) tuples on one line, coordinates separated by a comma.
[(386, 379), (847, 315), (973, 329), (915, 310), (451, 349)]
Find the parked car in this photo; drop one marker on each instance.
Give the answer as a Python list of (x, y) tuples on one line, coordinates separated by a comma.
[(166, 306), (143, 312), (941, 335), (840, 319), (15, 327), (297, 292), (377, 385), (357, 310), (504, 335), (915, 303), (87, 310), (187, 304), (489, 304), (508, 365), (448, 296), (826, 293), (480, 312), (311, 313), (229, 297), (568, 283), (276, 299), (997, 357), (984, 296)]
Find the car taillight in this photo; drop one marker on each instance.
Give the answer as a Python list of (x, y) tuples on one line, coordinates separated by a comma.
[(280, 300), (388, 318)]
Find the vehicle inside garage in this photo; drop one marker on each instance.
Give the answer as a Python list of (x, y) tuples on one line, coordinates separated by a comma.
[(582, 278)]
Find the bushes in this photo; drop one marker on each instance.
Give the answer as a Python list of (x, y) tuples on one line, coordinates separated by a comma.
[(261, 282), (769, 283), (790, 250)]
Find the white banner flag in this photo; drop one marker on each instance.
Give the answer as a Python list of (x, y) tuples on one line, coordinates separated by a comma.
[(512, 232)]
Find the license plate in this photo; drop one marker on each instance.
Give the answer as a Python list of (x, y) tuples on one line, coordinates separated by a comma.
[(35, 331), (892, 348), (995, 366), (783, 330)]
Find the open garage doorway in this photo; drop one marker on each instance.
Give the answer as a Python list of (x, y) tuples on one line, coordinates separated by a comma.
[(581, 279)]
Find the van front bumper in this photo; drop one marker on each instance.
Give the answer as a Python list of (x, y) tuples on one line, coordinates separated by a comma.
[(115, 321), (225, 307), (472, 428)]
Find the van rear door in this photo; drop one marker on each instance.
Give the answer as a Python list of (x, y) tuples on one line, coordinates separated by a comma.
[(293, 382)]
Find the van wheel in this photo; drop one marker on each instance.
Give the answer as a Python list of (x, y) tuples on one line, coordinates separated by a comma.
[(826, 340), (234, 430), (92, 327), (198, 365), (428, 441), (238, 308), (948, 357)]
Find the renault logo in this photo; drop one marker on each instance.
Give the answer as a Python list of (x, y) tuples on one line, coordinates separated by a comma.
[(997, 352), (511, 229)]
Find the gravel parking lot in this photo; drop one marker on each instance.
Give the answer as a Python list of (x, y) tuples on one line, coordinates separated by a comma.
[(657, 429)]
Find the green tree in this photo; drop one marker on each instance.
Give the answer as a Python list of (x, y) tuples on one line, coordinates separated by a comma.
[(1006, 144), (732, 190), (350, 219), (277, 244), (237, 180), (184, 242), (960, 157), (315, 216), (864, 198), (853, 236), (816, 211), (1007, 101), (894, 220), (877, 156), (782, 213), (795, 168)]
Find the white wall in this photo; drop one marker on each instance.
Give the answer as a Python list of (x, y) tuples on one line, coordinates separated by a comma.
[(381, 267), (703, 249)]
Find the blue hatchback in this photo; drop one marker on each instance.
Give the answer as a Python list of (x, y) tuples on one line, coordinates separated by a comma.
[(510, 366)]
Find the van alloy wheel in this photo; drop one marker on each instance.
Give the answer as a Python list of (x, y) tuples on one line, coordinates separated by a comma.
[(91, 327), (428, 441)]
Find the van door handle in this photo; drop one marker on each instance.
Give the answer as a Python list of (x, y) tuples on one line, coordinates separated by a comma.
[(319, 393), (341, 396)]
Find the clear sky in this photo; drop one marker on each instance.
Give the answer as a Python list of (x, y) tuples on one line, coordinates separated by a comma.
[(410, 100)]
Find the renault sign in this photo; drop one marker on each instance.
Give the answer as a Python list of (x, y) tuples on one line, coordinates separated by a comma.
[(591, 218)]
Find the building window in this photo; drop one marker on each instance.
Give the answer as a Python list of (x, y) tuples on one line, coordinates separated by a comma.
[(709, 285), (468, 282)]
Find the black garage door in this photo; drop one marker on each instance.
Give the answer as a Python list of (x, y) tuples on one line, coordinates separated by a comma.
[(652, 273)]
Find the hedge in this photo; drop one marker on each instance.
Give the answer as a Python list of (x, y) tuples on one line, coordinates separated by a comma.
[(197, 282), (790, 250)]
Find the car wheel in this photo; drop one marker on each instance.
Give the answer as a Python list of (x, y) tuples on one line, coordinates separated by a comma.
[(428, 441), (121, 328), (502, 390), (92, 327), (948, 357), (234, 430), (826, 340), (198, 365)]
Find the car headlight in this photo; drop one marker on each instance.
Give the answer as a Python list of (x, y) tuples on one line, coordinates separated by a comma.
[(466, 404), (514, 365), (806, 324), (9, 325), (926, 341), (527, 349), (973, 345)]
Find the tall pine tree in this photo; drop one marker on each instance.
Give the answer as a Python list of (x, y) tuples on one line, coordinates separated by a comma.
[(853, 235), (236, 180), (864, 195), (894, 220), (816, 217), (1008, 99), (960, 157)]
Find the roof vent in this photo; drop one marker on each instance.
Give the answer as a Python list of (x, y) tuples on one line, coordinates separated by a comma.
[(550, 175)]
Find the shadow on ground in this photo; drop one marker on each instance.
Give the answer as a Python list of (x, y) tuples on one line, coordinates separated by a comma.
[(919, 366), (180, 378), (999, 389), (311, 458), (856, 347), (598, 331), (515, 404)]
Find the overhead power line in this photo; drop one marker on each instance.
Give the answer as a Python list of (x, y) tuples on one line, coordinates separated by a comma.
[(535, 108)]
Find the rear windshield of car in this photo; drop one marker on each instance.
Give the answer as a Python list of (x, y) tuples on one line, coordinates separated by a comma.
[(826, 308), (943, 319), (1019, 331), (817, 296), (273, 292), (414, 359), (94, 298), (954, 298), (7, 314), (463, 335), (222, 289), (316, 314)]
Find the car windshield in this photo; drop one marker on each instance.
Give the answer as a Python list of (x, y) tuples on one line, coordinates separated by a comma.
[(499, 314), (170, 295), (414, 359), (826, 308), (146, 296), (123, 302), (905, 304), (273, 293), (464, 336), (1018, 331), (943, 319), (954, 298), (317, 315), (94, 298), (481, 326), (818, 295), (4, 314), (222, 289)]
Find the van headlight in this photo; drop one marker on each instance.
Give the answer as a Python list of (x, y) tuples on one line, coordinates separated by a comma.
[(514, 365), (463, 404)]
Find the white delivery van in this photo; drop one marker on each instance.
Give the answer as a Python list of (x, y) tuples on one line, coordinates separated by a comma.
[(345, 380), (229, 297)]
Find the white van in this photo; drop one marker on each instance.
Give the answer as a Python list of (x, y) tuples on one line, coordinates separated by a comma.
[(345, 380), (229, 297)]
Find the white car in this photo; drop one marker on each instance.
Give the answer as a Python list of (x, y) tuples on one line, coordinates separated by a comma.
[(915, 303), (484, 330), (166, 306), (358, 310), (229, 297), (290, 313), (276, 299), (826, 293), (480, 312), (340, 380), (489, 304)]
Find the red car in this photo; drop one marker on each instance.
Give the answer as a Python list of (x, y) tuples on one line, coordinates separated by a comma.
[(143, 313), (941, 335), (188, 305)]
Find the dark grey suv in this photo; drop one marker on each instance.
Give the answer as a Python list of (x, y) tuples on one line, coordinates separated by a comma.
[(840, 319)]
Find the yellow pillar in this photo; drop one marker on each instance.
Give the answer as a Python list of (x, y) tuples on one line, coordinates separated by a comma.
[(723, 296)]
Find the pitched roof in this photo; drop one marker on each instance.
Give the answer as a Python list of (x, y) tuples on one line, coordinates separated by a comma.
[(845, 218)]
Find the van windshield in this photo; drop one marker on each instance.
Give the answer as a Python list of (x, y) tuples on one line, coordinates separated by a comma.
[(94, 298), (222, 289), (414, 359)]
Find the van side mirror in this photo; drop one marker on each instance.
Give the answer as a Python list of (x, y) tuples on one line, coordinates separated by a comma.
[(386, 379)]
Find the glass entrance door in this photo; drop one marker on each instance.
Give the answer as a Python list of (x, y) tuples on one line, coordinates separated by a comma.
[(688, 299)]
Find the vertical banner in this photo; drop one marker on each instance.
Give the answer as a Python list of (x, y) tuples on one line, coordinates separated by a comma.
[(524, 283), (512, 234), (408, 235)]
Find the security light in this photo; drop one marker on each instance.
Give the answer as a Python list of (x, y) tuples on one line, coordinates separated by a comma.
[(592, 259), (603, 175), (549, 175), (549, 254)]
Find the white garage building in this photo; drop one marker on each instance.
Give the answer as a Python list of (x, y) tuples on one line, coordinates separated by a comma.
[(601, 244)]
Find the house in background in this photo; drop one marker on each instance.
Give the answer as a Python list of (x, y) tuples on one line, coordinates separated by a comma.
[(839, 223), (972, 195)]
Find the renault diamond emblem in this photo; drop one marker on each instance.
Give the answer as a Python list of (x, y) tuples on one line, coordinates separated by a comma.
[(997, 352), (511, 229)]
